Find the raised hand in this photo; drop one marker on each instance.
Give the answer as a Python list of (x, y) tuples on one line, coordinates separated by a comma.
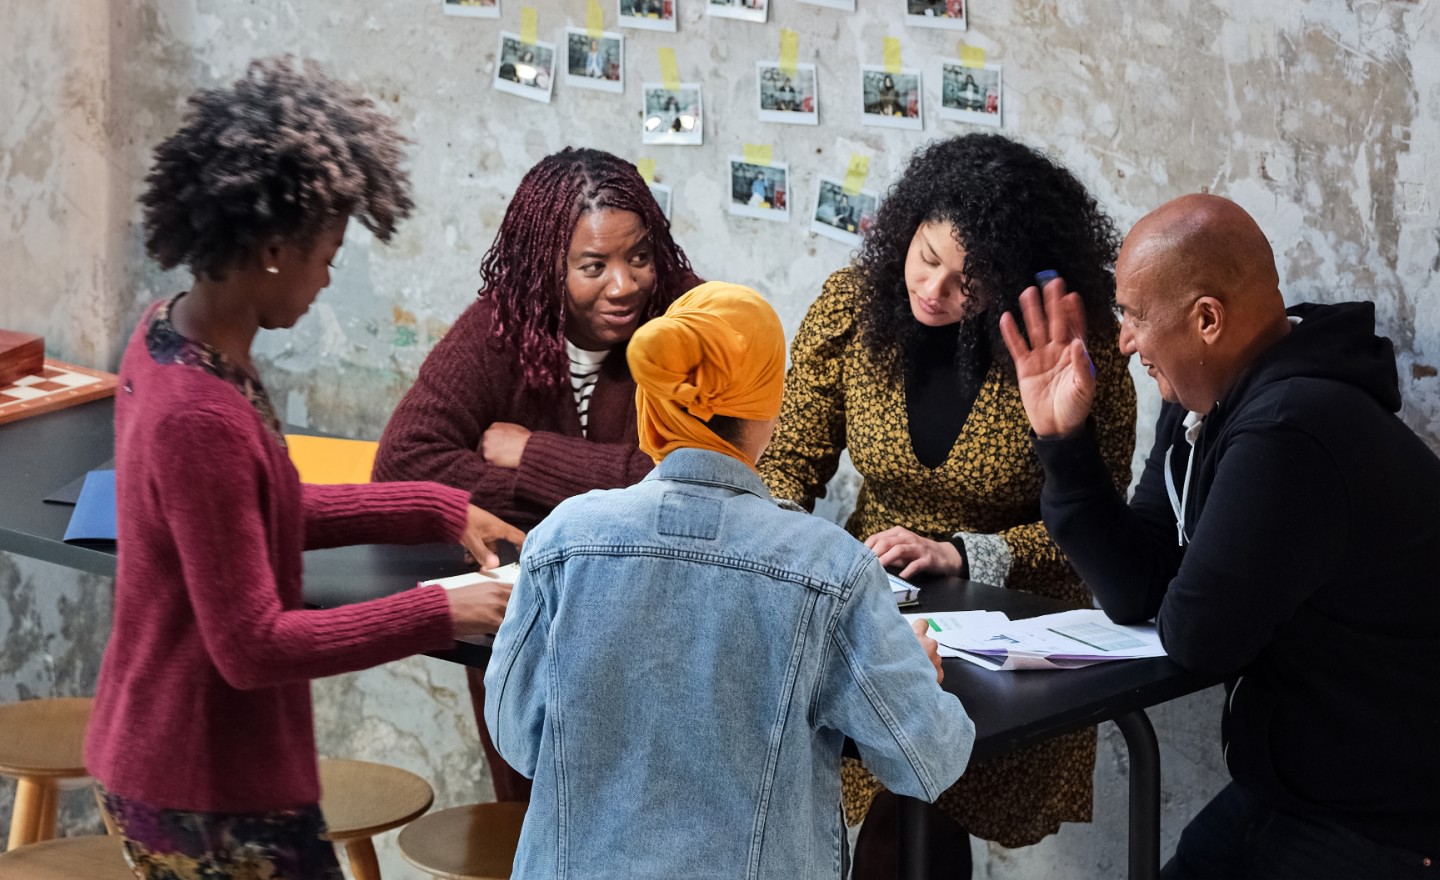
[(1054, 370)]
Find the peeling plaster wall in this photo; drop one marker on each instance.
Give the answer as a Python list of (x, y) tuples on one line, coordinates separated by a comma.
[(1321, 118)]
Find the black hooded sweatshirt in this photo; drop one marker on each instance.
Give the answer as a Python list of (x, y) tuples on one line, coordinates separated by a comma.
[(1309, 577)]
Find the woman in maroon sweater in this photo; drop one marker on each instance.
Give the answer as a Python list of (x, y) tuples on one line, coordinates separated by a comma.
[(202, 734), (528, 399)]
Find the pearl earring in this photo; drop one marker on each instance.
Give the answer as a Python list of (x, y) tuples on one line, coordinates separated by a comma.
[(273, 270)]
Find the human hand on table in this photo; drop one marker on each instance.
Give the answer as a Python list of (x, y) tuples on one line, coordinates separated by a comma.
[(932, 647), (478, 609), (899, 546), (482, 530), (1053, 370), (503, 443)]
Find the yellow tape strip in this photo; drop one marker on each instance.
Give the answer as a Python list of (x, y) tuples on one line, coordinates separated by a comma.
[(972, 56), (759, 154), (594, 20), (669, 69), (529, 25), (789, 51), (646, 167), (855, 174), (892, 54)]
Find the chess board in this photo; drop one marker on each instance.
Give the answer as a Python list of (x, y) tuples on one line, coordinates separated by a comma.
[(59, 385)]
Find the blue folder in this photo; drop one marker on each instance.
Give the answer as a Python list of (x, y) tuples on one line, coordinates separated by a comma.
[(94, 516)]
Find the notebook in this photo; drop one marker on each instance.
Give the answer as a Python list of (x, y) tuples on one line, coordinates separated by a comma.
[(93, 519)]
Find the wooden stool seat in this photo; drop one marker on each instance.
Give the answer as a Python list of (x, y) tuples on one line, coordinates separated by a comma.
[(41, 743), (474, 842), (361, 799), (69, 858)]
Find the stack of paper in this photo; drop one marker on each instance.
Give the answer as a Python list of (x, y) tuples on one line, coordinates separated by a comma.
[(505, 574), (1067, 640)]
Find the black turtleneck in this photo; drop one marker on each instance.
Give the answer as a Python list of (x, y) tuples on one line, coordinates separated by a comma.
[(939, 392)]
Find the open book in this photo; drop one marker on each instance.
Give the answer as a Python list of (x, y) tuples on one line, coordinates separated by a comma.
[(505, 574)]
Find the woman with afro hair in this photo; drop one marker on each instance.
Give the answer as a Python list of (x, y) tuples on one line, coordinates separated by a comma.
[(202, 736), (528, 399), (900, 362)]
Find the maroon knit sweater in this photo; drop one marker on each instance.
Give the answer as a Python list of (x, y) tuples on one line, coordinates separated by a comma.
[(472, 380), (204, 694)]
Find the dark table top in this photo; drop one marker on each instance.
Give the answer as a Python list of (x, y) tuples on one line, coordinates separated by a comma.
[(1010, 709)]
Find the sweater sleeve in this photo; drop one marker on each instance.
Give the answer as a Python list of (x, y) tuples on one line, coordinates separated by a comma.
[(216, 495), (383, 513), (556, 466), (805, 450), (435, 432), (1025, 556)]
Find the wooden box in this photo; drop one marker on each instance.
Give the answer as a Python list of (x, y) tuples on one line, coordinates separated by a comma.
[(21, 354)]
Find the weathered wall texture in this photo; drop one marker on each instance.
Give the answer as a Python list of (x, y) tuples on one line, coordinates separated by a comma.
[(1321, 118)]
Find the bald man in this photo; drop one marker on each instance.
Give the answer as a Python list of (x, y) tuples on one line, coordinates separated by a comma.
[(1285, 535)]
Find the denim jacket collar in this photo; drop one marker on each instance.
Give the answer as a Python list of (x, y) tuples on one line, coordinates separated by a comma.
[(711, 469)]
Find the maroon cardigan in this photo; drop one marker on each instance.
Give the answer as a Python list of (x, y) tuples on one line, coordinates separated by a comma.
[(472, 380), (204, 694)]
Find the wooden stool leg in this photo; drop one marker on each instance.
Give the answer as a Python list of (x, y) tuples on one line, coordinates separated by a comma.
[(110, 827), (363, 863), (25, 820), (49, 811)]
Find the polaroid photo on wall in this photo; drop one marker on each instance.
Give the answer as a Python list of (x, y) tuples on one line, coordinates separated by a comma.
[(761, 191), (473, 8), (847, 5), (840, 215), (672, 116), (648, 15), (970, 94), (948, 14), (788, 97), (661, 193), (525, 69), (745, 10), (891, 100), (594, 62)]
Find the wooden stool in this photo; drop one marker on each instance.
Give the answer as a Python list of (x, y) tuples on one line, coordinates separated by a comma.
[(41, 743), (361, 799), (475, 842), (94, 858)]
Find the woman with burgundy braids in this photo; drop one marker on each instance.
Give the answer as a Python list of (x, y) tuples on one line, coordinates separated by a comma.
[(528, 399)]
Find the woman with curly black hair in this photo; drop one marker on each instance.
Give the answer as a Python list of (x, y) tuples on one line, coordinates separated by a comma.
[(899, 361), (201, 734)]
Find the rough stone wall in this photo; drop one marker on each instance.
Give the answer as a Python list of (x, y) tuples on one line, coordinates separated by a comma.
[(1321, 118)]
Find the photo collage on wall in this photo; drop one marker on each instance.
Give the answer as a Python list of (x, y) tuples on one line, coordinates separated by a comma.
[(672, 114)]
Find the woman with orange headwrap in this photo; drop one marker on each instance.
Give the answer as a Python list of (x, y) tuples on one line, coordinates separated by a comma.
[(684, 655)]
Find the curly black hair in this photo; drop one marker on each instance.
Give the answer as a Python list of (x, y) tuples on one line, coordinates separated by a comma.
[(1015, 212), (279, 155)]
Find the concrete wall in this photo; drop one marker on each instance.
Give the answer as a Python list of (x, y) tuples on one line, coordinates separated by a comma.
[(1321, 118)]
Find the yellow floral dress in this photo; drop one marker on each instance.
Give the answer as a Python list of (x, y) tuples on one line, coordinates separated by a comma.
[(987, 490)]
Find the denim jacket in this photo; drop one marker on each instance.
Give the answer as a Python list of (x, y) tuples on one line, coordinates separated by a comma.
[(678, 668)]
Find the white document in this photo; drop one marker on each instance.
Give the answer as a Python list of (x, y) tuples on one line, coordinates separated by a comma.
[(505, 574), (1066, 640), (953, 626)]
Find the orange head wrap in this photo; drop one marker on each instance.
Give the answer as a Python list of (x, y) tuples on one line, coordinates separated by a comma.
[(718, 350)]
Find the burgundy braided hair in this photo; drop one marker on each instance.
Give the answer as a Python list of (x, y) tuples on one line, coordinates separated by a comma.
[(523, 273)]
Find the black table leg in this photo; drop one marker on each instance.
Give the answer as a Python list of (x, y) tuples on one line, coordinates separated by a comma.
[(910, 821), (1144, 794)]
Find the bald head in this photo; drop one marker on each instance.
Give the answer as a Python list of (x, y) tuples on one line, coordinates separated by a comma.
[(1197, 286), (1211, 246)]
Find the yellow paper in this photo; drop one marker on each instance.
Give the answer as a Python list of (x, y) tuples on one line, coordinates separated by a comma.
[(646, 167), (594, 21), (669, 69), (892, 54), (759, 154), (529, 25), (855, 174), (789, 51), (328, 460), (972, 56)]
